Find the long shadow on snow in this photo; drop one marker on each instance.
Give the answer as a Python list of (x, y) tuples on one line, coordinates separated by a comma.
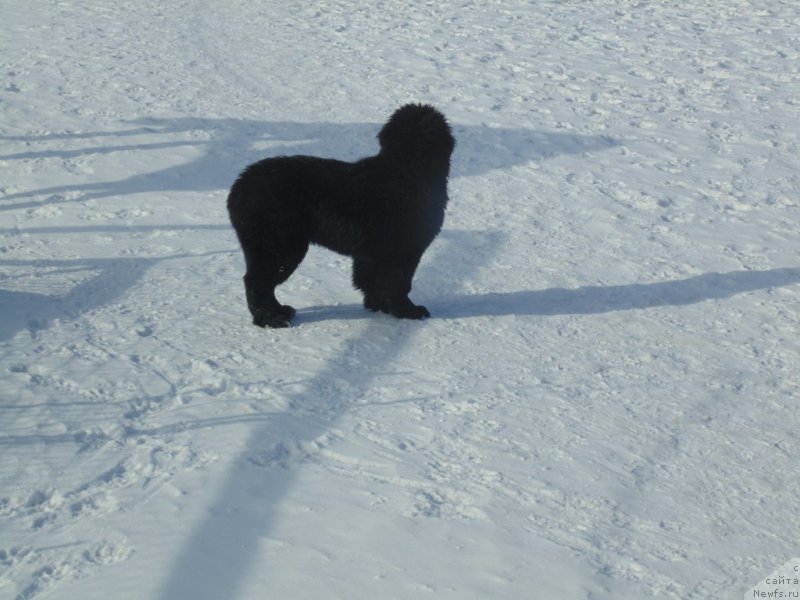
[(217, 557), (109, 279), (69, 229), (589, 300), (232, 144), (35, 311), (215, 560)]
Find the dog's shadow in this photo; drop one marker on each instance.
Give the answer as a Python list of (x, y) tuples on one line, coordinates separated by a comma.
[(223, 147)]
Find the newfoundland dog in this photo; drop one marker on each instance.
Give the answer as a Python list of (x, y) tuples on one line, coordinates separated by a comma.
[(383, 211)]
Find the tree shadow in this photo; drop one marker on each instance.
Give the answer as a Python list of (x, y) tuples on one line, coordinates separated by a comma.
[(81, 229), (592, 300), (106, 280), (215, 559), (228, 145), (587, 300)]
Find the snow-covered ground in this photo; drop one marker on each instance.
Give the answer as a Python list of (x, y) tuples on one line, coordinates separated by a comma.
[(605, 404)]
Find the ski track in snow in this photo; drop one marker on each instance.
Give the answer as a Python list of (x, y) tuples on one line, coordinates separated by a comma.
[(604, 404)]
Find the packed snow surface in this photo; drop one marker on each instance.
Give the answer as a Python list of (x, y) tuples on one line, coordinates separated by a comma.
[(605, 403)]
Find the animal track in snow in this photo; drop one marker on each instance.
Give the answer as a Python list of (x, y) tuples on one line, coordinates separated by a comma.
[(43, 574)]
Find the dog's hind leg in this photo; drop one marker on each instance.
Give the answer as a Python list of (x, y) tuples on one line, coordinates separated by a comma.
[(266, 269)]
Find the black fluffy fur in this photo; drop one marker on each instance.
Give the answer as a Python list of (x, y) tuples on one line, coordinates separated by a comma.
[(384, 211)]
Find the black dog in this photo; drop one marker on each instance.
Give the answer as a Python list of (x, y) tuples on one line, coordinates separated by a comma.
[(383, 210)]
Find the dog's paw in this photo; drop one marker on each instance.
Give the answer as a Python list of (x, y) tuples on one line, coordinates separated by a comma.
[(411, 312), (402, 309), (419, 312), (372, 304), (276, 320)]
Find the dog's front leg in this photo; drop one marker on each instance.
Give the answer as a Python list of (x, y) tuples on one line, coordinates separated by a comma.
[(393, 291)]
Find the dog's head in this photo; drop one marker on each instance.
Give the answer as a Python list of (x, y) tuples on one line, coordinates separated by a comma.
[(417, 132)]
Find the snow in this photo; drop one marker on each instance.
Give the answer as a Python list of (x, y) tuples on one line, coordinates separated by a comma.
[(604, 404)]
